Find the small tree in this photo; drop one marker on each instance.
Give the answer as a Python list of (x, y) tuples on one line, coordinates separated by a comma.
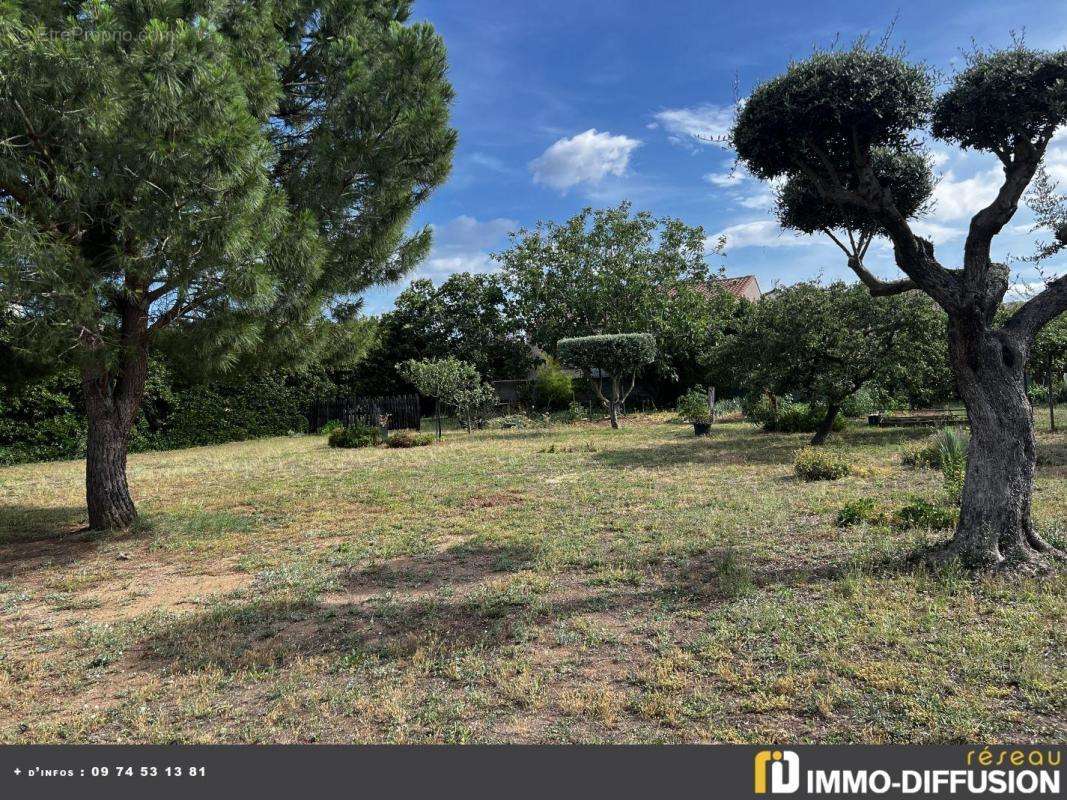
[(452, 383), (615, 356), (833, 122), (825, 343)]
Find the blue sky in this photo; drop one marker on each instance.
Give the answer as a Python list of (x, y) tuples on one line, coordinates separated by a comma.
[(567, 103)]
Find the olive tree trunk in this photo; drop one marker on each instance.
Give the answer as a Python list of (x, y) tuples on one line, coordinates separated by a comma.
[(995, 527), (827, 424)]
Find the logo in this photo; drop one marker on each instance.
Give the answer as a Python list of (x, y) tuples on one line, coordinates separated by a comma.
[(784, 767)]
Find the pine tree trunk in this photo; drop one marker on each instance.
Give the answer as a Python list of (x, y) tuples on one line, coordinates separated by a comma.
[(995, 528), (112, 398), (827, 424), (107, 493)]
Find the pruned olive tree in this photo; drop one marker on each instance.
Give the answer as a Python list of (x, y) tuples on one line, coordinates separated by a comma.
[(615, 356), (208, 173), (843, 125)]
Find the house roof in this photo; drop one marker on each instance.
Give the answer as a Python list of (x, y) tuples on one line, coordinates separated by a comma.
[(739, 286), (743, 286)]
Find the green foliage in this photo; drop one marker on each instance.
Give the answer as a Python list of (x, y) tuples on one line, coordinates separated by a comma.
[(870, 399), (204, 178), (952, 452), (615, 354), (946, 450), (354, 436), (866, 509), (819, 464), (405, 439), (920, 513), (788, 415), (832, 104), (615, 270), (574, 413), (466, 317), (917, 513), (330, 426), (455, 384), (693, 405), (1002, 97), (801, 207), (823, 344), (45, 420), (553, 386)]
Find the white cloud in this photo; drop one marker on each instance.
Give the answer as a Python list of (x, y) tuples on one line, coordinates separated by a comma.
[(463, 244), (761, 233), (703, 124), (725, 179), (585, 158), (960, 198), (1056, 159)]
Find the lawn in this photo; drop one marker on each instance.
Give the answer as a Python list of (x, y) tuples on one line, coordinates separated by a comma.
[(569, 584)]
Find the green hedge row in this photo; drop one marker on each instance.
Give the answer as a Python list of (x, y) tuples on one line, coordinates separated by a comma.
[(45, 421)]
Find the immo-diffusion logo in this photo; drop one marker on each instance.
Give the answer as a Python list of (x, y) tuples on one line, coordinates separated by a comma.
[(783, 766)]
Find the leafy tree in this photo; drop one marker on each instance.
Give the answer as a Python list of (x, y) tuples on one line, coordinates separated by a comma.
[(216, 169), (452, 383), (825, 343), (611, 271), (465, 317), (614, 356), (833, 122)]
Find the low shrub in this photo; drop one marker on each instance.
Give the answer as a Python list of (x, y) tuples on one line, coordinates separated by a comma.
[(693, 406), (865, 509), (330, 427), (574, 413), (952, 449), (921, 454), (553, 388), (354, 436), (946, 450), (409, 439), (920, 513), (789, 417), (817, 464)]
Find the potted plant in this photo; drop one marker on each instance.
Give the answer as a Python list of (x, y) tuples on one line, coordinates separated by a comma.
[(693, 407)]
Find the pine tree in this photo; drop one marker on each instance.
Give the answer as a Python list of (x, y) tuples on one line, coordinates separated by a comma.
[(211, 172)]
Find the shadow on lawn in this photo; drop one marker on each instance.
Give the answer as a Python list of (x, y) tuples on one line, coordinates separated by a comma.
[(749, 446), (444, 604), (29, 523), (35, 538)]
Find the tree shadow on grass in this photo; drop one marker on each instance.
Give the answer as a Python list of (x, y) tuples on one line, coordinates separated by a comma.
[(32, 538), (748, 446), (448, 603), (20, 524)]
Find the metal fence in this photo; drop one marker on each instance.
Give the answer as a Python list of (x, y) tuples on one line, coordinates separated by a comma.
[(403, 411)]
